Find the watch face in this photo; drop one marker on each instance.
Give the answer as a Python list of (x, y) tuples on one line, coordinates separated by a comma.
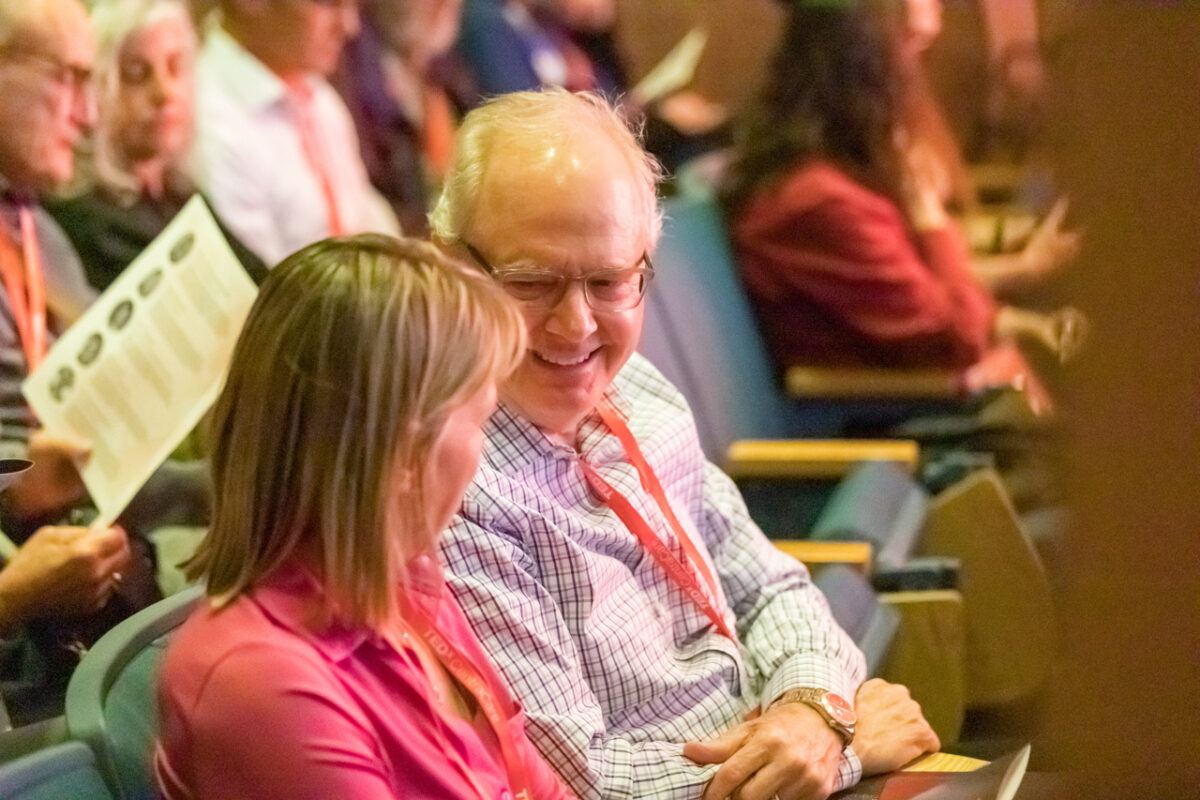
[(842, 711)]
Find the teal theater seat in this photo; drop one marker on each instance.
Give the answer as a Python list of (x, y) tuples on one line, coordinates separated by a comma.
[(60, 772), (112, 699)]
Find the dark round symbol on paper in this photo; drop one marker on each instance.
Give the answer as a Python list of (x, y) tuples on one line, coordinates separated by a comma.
[(149, 283), (64, 379), (118, 318), (91, 350), (181, 248)]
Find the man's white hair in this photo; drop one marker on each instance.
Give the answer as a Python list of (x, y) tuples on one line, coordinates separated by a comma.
[(531, 122)]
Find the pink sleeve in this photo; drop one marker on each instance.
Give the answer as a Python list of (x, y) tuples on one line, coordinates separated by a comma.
[(294, 736)]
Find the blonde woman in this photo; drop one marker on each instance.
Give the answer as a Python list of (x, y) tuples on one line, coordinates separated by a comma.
[(330, 660)]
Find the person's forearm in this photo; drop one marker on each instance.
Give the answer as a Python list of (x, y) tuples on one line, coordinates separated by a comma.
[(616, 767), (1001, 272)]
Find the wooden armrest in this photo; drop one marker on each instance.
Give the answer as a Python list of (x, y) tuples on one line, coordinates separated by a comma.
[(828, 383), (928, 655), (996, 182), (813, 458), (857, 554)]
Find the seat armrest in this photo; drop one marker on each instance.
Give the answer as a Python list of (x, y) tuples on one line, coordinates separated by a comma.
[(856, 554), (923, 573), (871, 383), (796, 459), (928, 655)]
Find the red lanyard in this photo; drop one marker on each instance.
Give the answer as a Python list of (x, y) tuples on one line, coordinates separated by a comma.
[(27, 292), (472, 679), (301, 102), (682, 572)]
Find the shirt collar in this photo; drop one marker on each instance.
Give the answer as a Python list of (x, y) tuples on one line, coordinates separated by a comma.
[(242, 75), (291, 596), (514, 442)]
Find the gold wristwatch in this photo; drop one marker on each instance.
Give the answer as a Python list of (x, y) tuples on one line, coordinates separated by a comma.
[(837, 712)]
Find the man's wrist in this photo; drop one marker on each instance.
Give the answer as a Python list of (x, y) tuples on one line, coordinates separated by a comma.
[(837, 712)]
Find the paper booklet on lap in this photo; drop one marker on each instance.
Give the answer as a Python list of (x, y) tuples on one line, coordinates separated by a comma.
[(137, 371), (946, 777)]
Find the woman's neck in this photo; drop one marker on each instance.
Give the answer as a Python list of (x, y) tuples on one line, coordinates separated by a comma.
[(448, 691), (151, 177)]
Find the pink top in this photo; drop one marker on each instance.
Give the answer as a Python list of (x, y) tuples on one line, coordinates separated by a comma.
[(837, 277), (261, 700)]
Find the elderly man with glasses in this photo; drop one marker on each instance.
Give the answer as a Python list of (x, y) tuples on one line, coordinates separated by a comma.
[(661, 646)]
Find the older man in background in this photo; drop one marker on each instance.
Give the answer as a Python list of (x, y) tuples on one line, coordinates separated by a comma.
[(276, 149), (661, 645), (57, 573)]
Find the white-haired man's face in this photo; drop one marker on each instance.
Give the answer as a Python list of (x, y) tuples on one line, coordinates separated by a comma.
[(573, 209), (46, 101)]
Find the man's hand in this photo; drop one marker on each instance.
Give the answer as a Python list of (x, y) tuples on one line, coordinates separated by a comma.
[(62, 572), (891, 729), (53, 482), (789, 752)]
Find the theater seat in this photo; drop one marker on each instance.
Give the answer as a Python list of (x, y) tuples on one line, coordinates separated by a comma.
[(914, 638), (700, 332), (112, 700), (63, 771)]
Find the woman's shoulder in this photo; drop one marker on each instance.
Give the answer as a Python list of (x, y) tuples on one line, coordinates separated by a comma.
[(816, 193), (231, 644)]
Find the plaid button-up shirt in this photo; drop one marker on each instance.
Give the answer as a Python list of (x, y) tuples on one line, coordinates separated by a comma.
[(615, 666)]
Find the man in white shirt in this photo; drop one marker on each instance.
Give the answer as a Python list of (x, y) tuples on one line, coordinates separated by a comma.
[(276, 150)]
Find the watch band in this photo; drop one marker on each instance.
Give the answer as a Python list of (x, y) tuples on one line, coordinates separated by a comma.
[(837, 712)]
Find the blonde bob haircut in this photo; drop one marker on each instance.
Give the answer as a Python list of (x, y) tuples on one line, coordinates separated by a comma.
[(351, 358), (530, 123), (115, 22)]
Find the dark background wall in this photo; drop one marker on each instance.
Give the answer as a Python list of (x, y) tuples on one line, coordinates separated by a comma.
[(1129, 149)]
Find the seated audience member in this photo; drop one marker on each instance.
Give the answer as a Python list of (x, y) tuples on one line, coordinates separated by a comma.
[(46, 54), (58, 592), (405, 87), (838, 215), (137, 183), (657, 640), (331, 660), (276, 149), (517, 45)]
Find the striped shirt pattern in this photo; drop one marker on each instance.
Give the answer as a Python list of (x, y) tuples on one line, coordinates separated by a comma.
[(615, 666)]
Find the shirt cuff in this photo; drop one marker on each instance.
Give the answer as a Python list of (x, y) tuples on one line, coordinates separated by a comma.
[(809, 669), (849, 769)]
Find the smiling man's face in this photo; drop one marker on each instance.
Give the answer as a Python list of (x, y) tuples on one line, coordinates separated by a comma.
[(573, 208)]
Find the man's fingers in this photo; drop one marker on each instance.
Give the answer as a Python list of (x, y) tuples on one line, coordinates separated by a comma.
[(73, 447), (109, 541), (715, 751), (736, 770), (773, 781)]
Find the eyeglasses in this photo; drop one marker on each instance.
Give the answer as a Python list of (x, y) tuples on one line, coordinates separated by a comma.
[(72, 76), (604, 290), (338, 5)]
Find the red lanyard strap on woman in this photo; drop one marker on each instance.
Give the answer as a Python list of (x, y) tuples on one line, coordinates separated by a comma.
[(682, 572), (26, 290), (473, 680)]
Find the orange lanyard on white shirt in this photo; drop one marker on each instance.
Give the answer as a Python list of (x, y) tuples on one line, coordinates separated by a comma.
[(681, 571), (27, 292), (302, 110)]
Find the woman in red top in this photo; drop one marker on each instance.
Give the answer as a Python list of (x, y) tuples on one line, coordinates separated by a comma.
[(330, 659), (836, 196)]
